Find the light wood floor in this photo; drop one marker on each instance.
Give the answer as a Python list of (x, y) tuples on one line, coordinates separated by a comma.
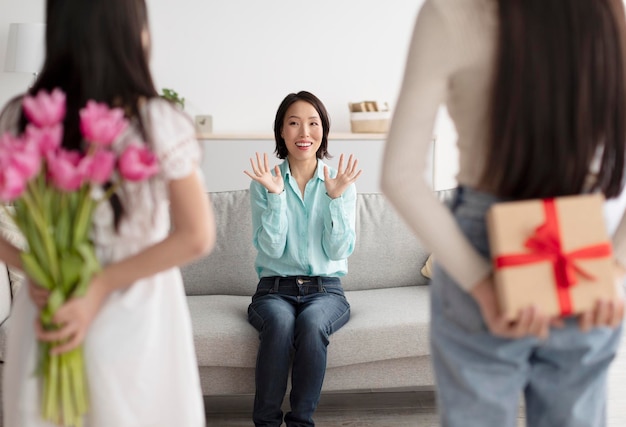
[(394, 409)]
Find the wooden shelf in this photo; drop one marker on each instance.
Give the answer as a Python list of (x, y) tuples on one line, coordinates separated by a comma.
[(269, 136)]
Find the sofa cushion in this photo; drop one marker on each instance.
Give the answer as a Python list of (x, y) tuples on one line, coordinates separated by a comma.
[(380, 322)]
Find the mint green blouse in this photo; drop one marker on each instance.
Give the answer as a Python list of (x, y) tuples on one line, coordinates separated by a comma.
[(302, 235)]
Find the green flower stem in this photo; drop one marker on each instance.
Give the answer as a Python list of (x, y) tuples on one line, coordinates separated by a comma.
[(50, 409), (69, 412), (63, 223), (36, 190), (83, 218), (80, 385), (65, 400), (44, 235)]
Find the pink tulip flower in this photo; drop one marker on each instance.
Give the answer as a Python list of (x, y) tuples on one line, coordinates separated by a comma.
[(12, 184), (100, 124), (20, 154), (27, 160), (8, 142), (45, 109), (65, 170), (99, 167), (13, 174), (137, 163), (47, 139)]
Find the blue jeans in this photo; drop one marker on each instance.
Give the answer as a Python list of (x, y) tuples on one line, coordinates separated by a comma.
[(481, 377), (294, 317)]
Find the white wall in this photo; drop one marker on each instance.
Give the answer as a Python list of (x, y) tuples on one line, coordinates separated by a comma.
[(237, 59)]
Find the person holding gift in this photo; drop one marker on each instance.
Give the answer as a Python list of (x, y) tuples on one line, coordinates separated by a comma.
[(303, 219), (132, 321), (536, 89)]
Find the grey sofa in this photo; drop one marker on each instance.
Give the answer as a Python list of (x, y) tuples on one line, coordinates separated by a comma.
[(384, 346)]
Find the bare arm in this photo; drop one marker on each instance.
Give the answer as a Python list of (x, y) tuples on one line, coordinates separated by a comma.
[(193, 235), (10, 254), (424, 88)]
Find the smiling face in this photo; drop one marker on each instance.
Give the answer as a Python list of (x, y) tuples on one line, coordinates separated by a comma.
[(302, 131)]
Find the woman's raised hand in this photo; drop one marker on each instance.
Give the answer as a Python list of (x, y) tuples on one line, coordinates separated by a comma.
[(262, 174), (345, 177)]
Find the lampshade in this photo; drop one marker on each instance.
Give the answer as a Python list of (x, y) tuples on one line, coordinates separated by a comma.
[(25, 50)]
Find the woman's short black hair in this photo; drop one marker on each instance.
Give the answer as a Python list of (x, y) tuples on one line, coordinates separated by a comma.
[(281, 146)]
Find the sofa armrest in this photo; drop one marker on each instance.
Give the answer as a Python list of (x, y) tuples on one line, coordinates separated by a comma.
[(6, 297)]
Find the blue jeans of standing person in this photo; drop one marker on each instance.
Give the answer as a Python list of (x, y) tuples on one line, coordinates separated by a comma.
[(294, 317), (481, 377)]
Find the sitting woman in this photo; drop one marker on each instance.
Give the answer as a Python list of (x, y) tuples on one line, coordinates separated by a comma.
[(303, 218)]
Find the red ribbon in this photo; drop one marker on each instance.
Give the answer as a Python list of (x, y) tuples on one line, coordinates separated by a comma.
[(545, 245)]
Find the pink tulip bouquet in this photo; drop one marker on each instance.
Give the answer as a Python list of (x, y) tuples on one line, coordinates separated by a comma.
[(50, 193)]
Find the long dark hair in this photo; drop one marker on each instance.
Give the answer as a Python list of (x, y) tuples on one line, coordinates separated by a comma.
[(94, 50), (281, 147), (558, 98)]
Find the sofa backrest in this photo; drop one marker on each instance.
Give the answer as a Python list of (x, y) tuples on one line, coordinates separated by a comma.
[(386, 252), (229, 268)]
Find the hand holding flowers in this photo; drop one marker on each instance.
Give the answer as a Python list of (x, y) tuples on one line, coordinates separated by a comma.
[(51, 190)]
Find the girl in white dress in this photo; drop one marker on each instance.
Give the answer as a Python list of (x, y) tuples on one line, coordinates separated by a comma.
[(133, 321)]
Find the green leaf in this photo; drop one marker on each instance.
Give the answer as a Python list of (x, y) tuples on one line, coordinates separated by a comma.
[(83, 220), (71, 268), (47, 208), (63, 232), (55, 301), (172, 95), (91, 265), (35, 272)]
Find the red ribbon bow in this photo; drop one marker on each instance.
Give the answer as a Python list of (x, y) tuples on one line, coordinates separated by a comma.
[(545, 245)]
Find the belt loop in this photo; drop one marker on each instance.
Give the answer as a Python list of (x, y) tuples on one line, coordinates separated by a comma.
[(276, 283), (320, 284)]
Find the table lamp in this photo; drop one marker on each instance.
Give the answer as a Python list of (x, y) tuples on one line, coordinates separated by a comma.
[(26, 47)]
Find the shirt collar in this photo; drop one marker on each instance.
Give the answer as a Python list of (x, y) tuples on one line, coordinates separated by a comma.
[(319, 171)]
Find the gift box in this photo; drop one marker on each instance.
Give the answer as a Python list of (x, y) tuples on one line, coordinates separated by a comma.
[(551, 253)]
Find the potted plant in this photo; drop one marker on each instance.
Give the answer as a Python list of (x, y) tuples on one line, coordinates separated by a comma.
[(172, 95)]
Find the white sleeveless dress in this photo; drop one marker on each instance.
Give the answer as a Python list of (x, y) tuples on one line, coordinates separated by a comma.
[(139, 352)]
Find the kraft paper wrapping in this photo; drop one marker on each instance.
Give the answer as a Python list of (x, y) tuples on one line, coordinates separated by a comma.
[(580, 225)]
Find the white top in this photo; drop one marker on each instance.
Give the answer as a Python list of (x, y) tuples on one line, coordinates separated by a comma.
[(139, 351), (450, 62)]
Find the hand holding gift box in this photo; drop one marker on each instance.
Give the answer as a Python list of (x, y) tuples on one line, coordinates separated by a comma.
[(553, 254)]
